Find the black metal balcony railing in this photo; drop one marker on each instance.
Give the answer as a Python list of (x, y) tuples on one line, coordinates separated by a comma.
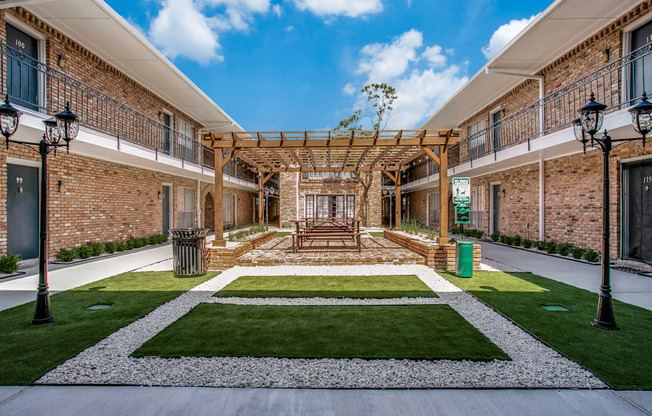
[(33, 85), (617, 85)]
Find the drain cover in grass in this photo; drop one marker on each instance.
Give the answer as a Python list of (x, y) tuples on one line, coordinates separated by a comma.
[(554, 308), (98, 306)]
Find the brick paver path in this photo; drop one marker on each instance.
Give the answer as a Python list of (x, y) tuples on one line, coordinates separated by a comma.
[(375, 250)]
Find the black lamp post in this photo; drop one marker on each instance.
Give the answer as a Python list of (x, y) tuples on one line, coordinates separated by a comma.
[(63, 126), (585, 128)]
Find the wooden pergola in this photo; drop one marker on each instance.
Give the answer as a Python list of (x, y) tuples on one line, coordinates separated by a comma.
[(387, 151)]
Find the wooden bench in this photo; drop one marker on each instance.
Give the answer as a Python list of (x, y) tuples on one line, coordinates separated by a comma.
[(299, 238)]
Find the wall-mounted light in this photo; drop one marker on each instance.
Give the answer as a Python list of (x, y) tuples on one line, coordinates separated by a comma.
[(61, 61), (607, 54), (159, 194), (504, 111), (60, 187)]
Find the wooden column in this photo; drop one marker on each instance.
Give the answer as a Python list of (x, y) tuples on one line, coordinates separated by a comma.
[(397, 187), (260, 198), (443, 195), (218, 191)]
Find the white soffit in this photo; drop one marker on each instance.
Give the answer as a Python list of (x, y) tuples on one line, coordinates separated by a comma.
[(97, 27), (561, 27)]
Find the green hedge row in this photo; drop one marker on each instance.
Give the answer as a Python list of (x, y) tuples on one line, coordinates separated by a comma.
[(550, 247), (96, 249), (471, 232)]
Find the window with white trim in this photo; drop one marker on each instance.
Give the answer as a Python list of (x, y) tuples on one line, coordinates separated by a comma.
[(434, 208), (476, 135), (477, 207), (227, 208), (186, 141), (187, 212)]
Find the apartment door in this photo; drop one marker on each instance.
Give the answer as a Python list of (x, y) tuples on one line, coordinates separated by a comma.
[(165, 205), (22, 76), (495, 131), (167, 132), (495, 208), (22, 211), (641, 72), (639, 210)]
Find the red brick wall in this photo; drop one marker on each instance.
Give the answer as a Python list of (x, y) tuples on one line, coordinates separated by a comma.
[(244, 203)]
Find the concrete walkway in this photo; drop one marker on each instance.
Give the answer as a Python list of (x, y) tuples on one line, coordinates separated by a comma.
[(626, 287), (22, 289), (160, 401)]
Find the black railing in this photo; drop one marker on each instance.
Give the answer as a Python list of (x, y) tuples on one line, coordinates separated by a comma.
[(33, 85)]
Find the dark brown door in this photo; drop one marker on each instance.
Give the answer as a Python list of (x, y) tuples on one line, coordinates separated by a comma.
[(22, 74), (639, 211), (22, 211)]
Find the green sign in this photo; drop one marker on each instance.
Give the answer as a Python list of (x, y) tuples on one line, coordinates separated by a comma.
[(462, 214), (461, 190)]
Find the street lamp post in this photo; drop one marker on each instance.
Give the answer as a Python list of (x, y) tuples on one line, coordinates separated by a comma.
[(63, 126), (585, 128)]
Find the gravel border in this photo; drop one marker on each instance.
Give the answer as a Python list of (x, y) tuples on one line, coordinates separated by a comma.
[(533, 364)]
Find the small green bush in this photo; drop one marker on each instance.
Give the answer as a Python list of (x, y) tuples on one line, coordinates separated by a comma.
[(85, 252), (96, 249), (509, 241), (495, 236), (517, 240), (122, 246), (152, 240), (67, 255), (503, 239), (526, 243), (564, 249), (551, 247), (131, 243), (163, 238), (110, 247), (478, 234), (541, 245), (577, 252), (592, 256), (9, 263), (455, 230)]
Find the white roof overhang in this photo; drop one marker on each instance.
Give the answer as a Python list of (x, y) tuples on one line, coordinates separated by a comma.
[(100, 29), (561, 27)]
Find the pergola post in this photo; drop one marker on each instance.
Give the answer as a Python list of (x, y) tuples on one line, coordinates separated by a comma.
[(260, 197), (443, 195), (218, 190), (397, 187)]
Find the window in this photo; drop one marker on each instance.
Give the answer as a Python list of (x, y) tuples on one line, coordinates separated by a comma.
[(330, 206), (476, 135), (477, 207), (640, 68), (187, 211), (434, 209), (186, 141), (328, 175), (227, 212)]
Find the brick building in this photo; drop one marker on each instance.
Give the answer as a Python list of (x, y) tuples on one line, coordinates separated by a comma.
[(136, 167), (528, 173)]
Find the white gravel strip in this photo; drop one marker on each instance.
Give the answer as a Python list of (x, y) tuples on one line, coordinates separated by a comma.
[(532, 365)]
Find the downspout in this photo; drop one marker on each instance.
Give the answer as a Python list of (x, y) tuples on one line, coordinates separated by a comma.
[(540, 78), (542, 195), (198, 202)]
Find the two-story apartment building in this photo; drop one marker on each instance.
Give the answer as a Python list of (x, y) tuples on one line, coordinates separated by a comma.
[(136, 167), (529, 174)]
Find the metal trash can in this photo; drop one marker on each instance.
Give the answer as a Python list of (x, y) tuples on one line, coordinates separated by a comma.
[(464, 259), (188, 246)]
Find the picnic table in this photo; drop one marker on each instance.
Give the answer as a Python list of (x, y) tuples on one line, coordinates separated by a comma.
[(325, 229)]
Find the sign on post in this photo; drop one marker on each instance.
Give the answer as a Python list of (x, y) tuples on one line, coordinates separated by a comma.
[(462, 215), (461, 190)]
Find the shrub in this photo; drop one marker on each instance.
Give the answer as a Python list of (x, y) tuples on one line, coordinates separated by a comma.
[(564, 249), (551, 247), (541, 245), (163, 238), (131, 243), (526, 243), (152, 240), (85, 252), (110, 247), (478, 234), (455, 230), (592, 256), (517, 240), (144, 241), (495, 236), (509, 241), (96, 249), (503, 239), (122, 246), (577, 252), (67, 255), (9, 263)]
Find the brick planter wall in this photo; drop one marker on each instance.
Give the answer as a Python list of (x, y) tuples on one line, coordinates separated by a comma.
[(222, 258), (438, 257)]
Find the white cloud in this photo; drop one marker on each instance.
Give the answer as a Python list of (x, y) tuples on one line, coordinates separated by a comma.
[(350, 8), (277, 10), (181, 30), (421, 89), (289, 28), (382, 62), (190, 28), (503, 35), (349, 89)]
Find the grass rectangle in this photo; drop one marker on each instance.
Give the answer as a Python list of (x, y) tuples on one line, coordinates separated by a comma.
[(27, 352), (622, 358), (415, 331), (376, 233), (327, 287)]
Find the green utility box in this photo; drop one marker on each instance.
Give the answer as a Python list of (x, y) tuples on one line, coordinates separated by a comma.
[(464, 259)]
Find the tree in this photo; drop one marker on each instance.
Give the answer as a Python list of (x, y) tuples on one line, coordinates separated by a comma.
[(380, 98)]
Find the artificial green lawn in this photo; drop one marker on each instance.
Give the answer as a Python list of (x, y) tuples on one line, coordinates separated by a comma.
[(327, 287), (376, 233), (415, 331), (622, 358), (27, 352), (283, 233)]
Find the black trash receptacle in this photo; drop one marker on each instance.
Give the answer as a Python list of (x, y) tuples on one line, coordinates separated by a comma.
[(188, 251)]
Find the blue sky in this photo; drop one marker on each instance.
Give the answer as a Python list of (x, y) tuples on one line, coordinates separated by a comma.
[(300, 64)]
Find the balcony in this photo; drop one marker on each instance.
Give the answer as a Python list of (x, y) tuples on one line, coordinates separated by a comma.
[(36, 87)]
